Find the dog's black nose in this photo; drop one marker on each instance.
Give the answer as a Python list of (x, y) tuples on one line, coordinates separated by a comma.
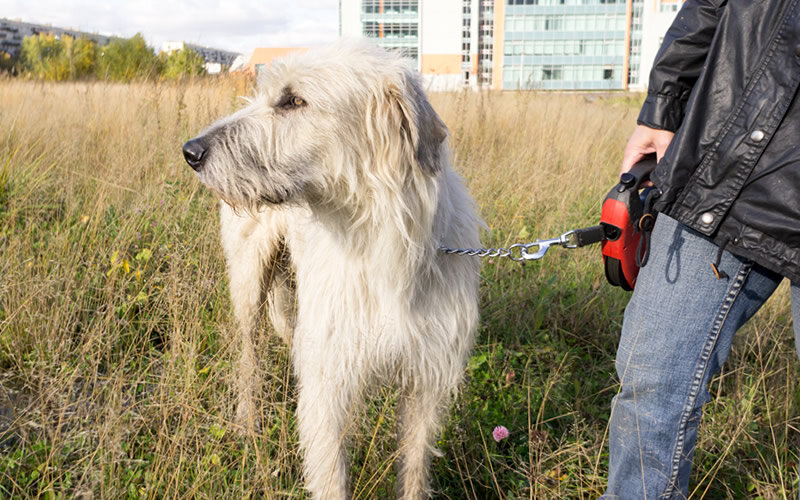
[(195, 153)]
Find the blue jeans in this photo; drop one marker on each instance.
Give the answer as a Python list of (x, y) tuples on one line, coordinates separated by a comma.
[(677, 333)]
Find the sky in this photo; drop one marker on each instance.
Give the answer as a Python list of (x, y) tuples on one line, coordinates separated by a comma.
[(236, 25)]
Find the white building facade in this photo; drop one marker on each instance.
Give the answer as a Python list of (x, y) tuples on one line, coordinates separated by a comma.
[(657, 19), (518, 44)]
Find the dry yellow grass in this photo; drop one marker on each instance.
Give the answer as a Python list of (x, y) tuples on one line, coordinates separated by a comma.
[(114, 316)]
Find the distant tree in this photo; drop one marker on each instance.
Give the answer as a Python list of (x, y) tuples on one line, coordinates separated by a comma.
[(181, 63), (126, 60), (41, 55), (6, 61), (48, 57), (81, 56)]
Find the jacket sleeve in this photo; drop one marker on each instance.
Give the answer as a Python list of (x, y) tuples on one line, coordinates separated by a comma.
[(678, 64)]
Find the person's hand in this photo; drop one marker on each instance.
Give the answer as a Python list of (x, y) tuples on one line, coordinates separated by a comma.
[(643, 141)]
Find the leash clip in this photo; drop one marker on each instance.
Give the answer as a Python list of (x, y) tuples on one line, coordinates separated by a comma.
[(542, 246)]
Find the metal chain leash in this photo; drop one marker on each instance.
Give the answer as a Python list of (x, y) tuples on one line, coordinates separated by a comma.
[(487, 252), (518, 252)]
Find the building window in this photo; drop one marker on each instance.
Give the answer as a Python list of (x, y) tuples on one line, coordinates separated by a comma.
[(553, 23), (668, 5), (552, 73), (395, 7)]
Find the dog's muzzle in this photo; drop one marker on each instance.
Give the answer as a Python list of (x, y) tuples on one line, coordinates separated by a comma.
[(195, 151)]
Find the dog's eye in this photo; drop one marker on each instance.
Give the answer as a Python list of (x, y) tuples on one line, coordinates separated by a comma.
[(292, 102)]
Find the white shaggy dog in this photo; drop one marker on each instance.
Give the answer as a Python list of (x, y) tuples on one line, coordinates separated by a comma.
[(340, 163)]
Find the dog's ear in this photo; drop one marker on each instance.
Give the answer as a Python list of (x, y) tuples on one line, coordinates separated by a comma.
[(420, 126), (432, 133)]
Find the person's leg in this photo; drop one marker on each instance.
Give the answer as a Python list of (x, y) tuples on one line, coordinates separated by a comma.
[(796, 323), (796, 315), (676, 335)]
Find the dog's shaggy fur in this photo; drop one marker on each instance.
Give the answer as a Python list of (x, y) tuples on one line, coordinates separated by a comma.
[(340, 163)]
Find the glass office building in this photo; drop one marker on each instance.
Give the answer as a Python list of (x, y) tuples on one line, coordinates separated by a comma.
[(394, 23), (518, 44), (570, 44)]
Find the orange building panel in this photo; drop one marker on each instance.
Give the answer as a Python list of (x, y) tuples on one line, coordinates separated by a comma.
[(497, 56), (626, 62)]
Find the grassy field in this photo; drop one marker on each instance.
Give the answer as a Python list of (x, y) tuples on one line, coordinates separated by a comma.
[(115, 366)]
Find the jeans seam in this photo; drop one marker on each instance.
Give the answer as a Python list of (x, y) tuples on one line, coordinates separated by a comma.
[(699, 374)]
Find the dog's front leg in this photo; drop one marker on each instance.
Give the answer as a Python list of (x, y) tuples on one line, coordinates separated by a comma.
[(247, 247), (324, 403)]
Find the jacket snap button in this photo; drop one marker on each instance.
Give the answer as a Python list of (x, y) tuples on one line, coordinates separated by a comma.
[(707, 218), (757, 135)]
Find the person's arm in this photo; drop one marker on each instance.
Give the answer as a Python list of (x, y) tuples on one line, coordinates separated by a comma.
[(676, 68)]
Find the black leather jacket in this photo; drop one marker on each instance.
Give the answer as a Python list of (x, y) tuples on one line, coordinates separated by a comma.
[(725, 80)]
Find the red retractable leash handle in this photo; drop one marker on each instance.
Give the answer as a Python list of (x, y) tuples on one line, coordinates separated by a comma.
[(627, 220)]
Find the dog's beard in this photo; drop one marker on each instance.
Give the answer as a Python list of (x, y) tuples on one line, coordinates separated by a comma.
[(271, 196)]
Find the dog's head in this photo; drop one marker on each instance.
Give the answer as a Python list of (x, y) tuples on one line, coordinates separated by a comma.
[(323, 125)]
